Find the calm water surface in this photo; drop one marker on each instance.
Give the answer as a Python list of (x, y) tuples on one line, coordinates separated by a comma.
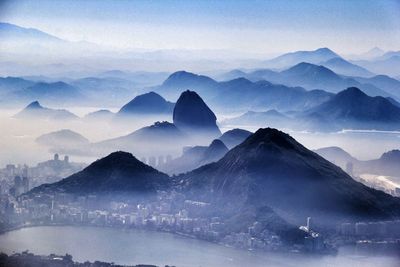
[(137, 246)]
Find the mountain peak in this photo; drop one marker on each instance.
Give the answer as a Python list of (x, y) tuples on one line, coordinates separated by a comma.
[(325, 50), (393, 155), (118, 172), (148, 103), (268, 137), (351, 92), (192, 113), (34, 105)]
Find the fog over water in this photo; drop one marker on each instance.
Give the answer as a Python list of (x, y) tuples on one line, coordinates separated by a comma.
[(137, 246)]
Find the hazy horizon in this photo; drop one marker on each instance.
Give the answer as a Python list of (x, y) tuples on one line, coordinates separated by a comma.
[(257, 28)]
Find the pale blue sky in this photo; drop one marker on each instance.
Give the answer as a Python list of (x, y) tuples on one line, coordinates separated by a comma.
[(255, 26)]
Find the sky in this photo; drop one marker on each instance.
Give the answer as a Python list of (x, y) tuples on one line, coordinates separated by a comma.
[(346, 26)]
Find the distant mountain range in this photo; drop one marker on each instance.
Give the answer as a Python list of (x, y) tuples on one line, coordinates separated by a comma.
[(293, 58), (388, 164), (387, 64), (354, 109), (311, 76), (242, 94)]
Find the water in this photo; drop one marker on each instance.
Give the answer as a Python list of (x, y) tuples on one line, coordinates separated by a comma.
[(137, 246)]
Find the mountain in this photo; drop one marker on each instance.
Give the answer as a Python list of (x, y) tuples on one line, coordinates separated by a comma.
[(107, 90), (352, 108), (319, 77), (388, 164), (141, 78), (271, 169), (35, 111), (147, 104), (234, 137), (343, 67), (117, 174), (99, 115), (180, 81), (161, 138), (192, 115), (337, 156), (384, 82), (64, 136), (271, 118), (16, 33), (387, 64), (64, 141), (290, 59), (312, 76), (195, 157), (13, 84), (243, 94), (372, 53), (59, 93)]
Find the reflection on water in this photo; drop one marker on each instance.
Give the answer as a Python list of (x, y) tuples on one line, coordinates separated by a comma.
[(136, 246)]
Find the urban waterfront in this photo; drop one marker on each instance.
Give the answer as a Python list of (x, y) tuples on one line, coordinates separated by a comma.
[(141, 246)]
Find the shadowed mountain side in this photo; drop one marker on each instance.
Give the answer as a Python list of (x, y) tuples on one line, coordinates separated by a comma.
[(271, 169), (354, 109), (119, 172), (193, 116)]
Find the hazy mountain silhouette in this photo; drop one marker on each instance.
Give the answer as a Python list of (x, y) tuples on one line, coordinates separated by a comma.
[(353, 108), (147, 104), (17, 33), (35, 111), (312, 76), (234, 137), (180, 81), (271, 169), (336, 155), (390, 85), (161, 138), (194, 157), (99, 115), (62, 137), (270, 118), (293, 58), (13, 84), (387, 64), (59, 93), (344, 67), (242, 94)]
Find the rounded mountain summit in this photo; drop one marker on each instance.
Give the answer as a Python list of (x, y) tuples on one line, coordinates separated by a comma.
[(191, 114)]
